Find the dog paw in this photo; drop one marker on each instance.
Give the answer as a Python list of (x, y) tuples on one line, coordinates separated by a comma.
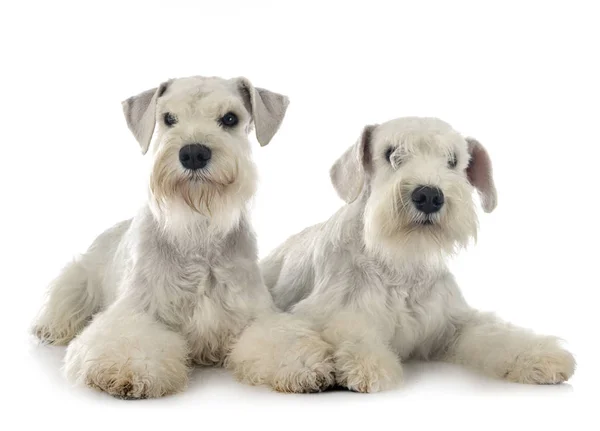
[(367, 372), (124, 384), (547, 366), (283, 352), (50, 335), (133, 379), (132, 357), (306, 379)]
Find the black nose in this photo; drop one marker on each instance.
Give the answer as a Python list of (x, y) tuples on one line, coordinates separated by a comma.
[(428, 199), (194, 156)]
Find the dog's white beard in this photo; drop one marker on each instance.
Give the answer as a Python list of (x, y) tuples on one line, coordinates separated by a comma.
[(392, 229), (218, 193)]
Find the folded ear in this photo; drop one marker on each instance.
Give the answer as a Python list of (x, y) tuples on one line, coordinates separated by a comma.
[(348, 172), (480, 176), (140, 114), (267, 109)]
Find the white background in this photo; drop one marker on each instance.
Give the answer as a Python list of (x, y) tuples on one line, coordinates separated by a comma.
[(522, 78)]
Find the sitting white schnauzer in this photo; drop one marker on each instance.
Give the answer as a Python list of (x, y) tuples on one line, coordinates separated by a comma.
[(180, 283), (374, 279)]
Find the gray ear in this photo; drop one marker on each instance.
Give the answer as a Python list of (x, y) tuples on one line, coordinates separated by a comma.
[(267, 108), (140, 113), (480, 176), (348, 172)]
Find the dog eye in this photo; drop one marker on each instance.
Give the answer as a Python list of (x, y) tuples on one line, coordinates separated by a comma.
[(169, 119), (229, 120), (452, 161), (388, 154), (396, 161)]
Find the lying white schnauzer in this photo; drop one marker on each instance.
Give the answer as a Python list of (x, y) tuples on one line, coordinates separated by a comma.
[(374, 279), (180, 282)]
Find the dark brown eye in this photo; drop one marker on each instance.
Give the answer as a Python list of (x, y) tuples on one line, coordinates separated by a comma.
[(452, 161), (229, 120), (396, 161), (169, 119), (388, 154)]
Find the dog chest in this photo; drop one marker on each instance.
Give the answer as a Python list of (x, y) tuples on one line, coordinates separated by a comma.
[(217, 316), (420, 317)]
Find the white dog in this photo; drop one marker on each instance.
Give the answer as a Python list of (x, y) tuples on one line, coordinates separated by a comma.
[(374, 278), (180, 282)]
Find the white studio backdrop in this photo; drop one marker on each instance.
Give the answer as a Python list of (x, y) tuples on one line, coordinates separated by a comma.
[(522, 77)]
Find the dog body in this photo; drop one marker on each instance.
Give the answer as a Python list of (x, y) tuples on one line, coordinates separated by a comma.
[(180, 282), (408, 304), (374, 277), (207, 292)]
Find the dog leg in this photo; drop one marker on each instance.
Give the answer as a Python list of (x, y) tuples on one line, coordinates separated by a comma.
[(71, 302), (363, 362), (496, 348), (282, 351), (128, 355)]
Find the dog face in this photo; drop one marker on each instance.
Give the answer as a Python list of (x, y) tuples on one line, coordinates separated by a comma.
[(417, 176), (201, 156)]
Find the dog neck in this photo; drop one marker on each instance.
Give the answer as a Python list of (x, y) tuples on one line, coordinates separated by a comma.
[(186, 227)]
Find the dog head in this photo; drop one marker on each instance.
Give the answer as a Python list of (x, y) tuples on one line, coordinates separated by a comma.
[(416, 177), (201, 156)]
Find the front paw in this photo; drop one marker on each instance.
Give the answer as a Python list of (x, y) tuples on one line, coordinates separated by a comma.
[(47, 335), (128, 357), (53, 332), (307, 366), (128, 373), (122, 382), (546, 364), (367, 370), (304, 378), (283, 352)]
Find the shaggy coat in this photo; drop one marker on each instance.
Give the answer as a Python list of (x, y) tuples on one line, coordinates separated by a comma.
[(180, 283), (374, 277)]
